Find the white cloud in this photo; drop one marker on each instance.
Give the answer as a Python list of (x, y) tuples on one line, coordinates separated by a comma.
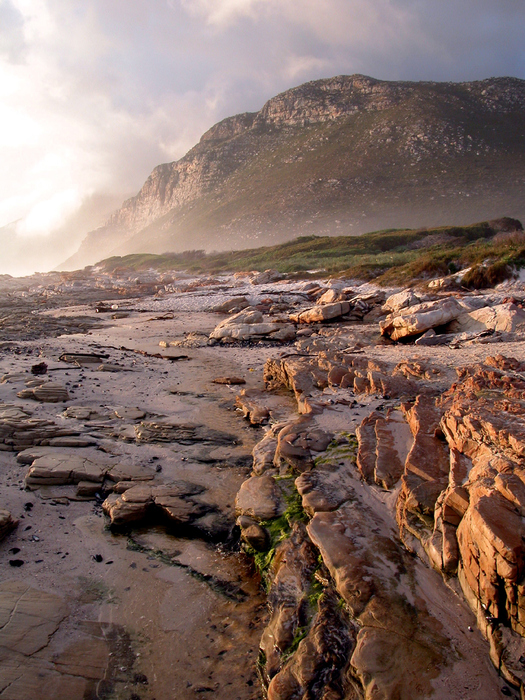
[(300, 66), (223, 12)]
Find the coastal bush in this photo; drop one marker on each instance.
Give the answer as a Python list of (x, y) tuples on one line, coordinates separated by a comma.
[(485, 276), (387, 257)]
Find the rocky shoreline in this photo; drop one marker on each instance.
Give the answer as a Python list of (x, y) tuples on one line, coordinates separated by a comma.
[(250, 486)]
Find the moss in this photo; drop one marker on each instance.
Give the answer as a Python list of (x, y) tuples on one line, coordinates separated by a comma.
[(343, 446), (278, 529)]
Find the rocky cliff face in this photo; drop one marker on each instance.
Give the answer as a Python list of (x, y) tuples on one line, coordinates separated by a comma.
[(343, 155)]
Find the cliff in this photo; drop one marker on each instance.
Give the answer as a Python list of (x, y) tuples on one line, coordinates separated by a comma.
[(343, 155)]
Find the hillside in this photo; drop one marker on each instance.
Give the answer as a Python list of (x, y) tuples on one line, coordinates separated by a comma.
[(493, 248), (340, 156)]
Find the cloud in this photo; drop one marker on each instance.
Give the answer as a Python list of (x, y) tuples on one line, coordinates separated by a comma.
[(299, 66), (223, 12), (94, 94), (49, 214)]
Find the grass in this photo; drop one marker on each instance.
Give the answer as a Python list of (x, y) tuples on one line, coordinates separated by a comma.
[(389, 257)]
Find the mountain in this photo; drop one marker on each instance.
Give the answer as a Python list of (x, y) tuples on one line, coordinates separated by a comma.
[(341, 156)]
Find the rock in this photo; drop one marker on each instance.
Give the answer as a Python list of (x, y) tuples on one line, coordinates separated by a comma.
[(502, 317), (418, 319), (332, 296), (87, 489), (382, 448), (249, 401), (389, 465), (51, 468), (84, 413), (321, 657), (57, 469), (28, 617), (247, 324), (29, 455), (426, 476), (83, 358), (285, 333), (300, 374), (18, 432), (234, 304), (264, 451), (173, 502), (13, 377), (324, 488), (406, 637), (229, 380), (317, 314), (402, 300), (293, 448), (255, 536), (71, 442), (130, 413), (247, 316), (266, 277), (49, 392), (168, 431), (291, 575), (7, 523), (367, 442), (260, 498)]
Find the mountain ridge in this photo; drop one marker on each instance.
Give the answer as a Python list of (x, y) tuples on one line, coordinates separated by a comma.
[(340, 155)]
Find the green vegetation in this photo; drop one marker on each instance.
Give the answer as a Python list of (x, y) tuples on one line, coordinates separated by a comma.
[(279, 528), (343, 446), (387, 257)]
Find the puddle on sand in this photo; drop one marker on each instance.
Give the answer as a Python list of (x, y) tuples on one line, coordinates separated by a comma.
[(194, 616)]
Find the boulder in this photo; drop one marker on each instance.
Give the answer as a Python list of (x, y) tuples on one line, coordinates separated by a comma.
[(174, 502), (332, 296), (502, 317), (252, 404), (266, 277), (235, 303), (247, 324), (260, 498), (264, 451), (295, 562), (420, 318), (325, 312), (402, 300)]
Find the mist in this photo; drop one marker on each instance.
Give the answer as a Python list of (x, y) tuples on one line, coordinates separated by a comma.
[(94, 95)]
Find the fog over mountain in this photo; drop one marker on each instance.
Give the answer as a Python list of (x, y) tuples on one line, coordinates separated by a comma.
[(344, 155), (94, 95)]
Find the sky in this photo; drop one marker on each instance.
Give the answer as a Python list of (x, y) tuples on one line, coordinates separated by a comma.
[(95, 93)]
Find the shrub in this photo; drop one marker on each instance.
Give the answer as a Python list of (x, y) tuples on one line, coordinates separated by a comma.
[(483, 276)]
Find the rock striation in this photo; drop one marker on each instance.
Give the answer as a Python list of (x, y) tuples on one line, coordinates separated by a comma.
[(451, 462)]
